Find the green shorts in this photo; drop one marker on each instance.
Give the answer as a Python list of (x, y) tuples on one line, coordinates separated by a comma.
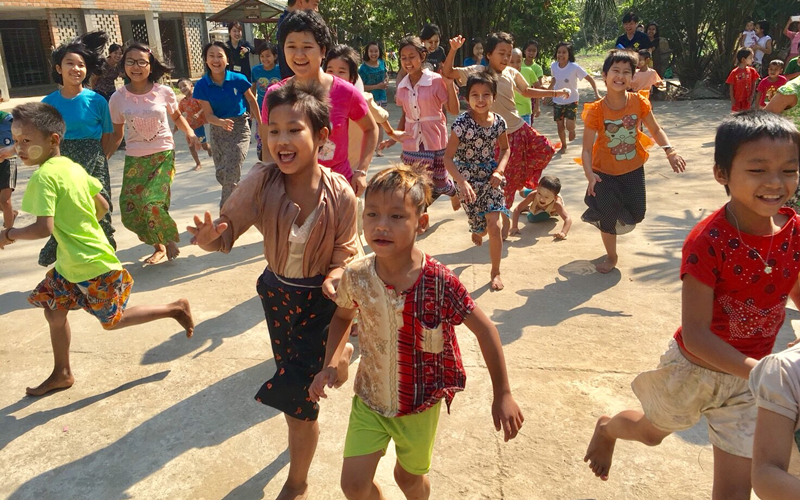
[(413, 435), (568, 111)]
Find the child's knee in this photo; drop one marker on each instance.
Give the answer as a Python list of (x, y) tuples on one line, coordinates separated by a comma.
[(355, 487), (405, 480), (55, 317)]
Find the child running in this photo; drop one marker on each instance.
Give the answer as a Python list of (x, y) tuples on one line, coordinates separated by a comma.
[(524, 104), (422, 94), (614, 155), (470, 159), (565, 109), (265, 74), (742, 81), (375, 77), (542, 204), (530, 151), (768, 87), (67, 203), (739, 267), (645, 77), (307, 215), (410, 359), (192, 111), (531, 50)]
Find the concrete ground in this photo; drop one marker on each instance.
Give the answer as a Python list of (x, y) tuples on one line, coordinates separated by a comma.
[(153, 415)]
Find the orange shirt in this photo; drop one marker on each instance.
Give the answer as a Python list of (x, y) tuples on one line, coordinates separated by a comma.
[(620, 145)]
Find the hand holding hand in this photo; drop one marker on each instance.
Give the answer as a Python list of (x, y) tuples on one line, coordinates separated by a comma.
[(204, 232), (329, 287), (327, 377), (564, 93)]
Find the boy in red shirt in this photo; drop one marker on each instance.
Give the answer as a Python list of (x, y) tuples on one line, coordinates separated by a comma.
[(743, 80), (769, 86), (191, 109), (739, 268)]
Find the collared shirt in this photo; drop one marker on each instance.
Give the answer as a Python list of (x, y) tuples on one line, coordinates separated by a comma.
[(239, 62), (261, 201), (639, 41), (227, 100), (422, 105)]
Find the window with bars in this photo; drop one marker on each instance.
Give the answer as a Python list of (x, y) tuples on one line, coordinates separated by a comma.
[(26, 62)]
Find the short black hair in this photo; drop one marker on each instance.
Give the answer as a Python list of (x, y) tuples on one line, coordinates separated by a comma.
[(311, 99), (234, 24), (482, 76), (630, 17), (644, 54), (184, 79), (347, 54), (494, 39), (530, 42), (570, 51), (764, 25), (301, 21), (776, 62), (370, 44), (415, 42), (90, 47), (114, 47), (748, 126), (429, 30), (551, 183), (743, 54), (267, 46), (621, 55), (157, 67), (43, 117), (207, 47)]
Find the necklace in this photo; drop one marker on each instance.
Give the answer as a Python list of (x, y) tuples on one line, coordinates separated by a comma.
[(767, 267)]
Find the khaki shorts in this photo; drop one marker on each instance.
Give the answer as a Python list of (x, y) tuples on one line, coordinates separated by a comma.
[(676, 394)]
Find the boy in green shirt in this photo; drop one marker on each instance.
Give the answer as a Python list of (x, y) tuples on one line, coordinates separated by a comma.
[(67, 204), (524, 104)]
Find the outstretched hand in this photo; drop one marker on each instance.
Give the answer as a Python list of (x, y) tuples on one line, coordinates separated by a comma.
[(399, 136), (326, 378), (205, 232), (508, 416)]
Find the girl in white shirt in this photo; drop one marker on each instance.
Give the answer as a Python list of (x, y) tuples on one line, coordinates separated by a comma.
[(566, 73)]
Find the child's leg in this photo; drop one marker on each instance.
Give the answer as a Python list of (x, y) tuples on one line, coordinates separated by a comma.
[(570, 128), (193, 151), (610, 262), (562, 133), (60, 336), (494, 228), (358, 477), (5, 205), (731, 476), (414, 487), (178, 310), (629, 425), (303, 438)]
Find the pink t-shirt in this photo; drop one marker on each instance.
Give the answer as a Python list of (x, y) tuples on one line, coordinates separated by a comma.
[(346, 103), (422, 105), (794, 36), (146, 119), (643, 80)]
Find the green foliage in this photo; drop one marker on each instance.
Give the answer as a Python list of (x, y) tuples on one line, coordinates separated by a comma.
[(550, 22)]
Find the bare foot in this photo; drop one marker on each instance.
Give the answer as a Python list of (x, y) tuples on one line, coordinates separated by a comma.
[(56, 380), (293, 492), (607, 265), (601, 450), (571, 135), (183, 315), (354, 330), (378, 154), (497, 283), (198, 167), (455, 202), (158, 255), (477, 239), (342, 369), (562, 150), (172, 250), (209, 152)]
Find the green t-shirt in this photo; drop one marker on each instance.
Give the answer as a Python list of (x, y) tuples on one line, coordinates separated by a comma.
[(524, 105), (792, 87), (538, 71), (62, 189), (792, 67)]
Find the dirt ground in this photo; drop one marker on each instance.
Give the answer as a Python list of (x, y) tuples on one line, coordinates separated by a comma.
[(156, 416)]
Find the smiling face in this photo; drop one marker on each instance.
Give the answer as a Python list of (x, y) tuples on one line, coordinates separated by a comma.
[(291, 140), (114, 57), (774, 71), (477, 52), (216, 60), (267, 59), (340, 68), (630, 27), (531, 52), (392, 222), (763, 176), (618, 77), (516, 61), (303, 54), (373, 52), (72, 70), (411, 60), (500, 56), (431, 43), (236, 34), (562, 56), (32, 146), (651, 32), (133, 59), (186, 88), (480, 98)]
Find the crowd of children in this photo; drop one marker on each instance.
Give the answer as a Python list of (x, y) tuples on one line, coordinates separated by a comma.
[(739, 268)]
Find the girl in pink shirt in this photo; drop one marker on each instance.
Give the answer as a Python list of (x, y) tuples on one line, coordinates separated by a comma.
[(794, 37), (422, 94), (144, 106), (305, 40)]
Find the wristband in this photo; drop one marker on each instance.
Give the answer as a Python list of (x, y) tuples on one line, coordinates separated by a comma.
[(667, 147), (359, 171)]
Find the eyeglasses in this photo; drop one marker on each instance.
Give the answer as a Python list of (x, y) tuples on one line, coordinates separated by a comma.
[(137, 62)]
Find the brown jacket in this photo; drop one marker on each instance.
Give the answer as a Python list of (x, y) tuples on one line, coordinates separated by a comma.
[(261, 200)]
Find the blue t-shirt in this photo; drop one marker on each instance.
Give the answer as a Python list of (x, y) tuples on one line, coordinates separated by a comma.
[(227, 100), (470, 61), (263, 79), (373, 76), (86, 114)]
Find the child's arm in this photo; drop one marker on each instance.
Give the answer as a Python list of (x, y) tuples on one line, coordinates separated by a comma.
[(697, 307), (772, 451), (42, 228), (447, 68), (206, 234), (758, 100), (452, 105), (101, 206), (561, 210), (733, 98), (526, 203), (181, 123), (781, 102), (505, 411), (255, 112), (224, 123), (392, 140), (589, 135), (675, 160), (533, 92), (337, 339), (505, 153), (786, 31), (594, 86), (465, 190)]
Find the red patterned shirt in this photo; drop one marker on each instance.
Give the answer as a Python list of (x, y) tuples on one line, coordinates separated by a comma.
[(192, 110), (749, 303), (409, 354)]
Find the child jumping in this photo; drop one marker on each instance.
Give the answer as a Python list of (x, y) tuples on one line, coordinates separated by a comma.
[(542, 204), (67, 203), (192, 112), (470, 159), (307, 215), (742, 81), (739, 267), (614, 155), (530, 151), (410, 359)]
